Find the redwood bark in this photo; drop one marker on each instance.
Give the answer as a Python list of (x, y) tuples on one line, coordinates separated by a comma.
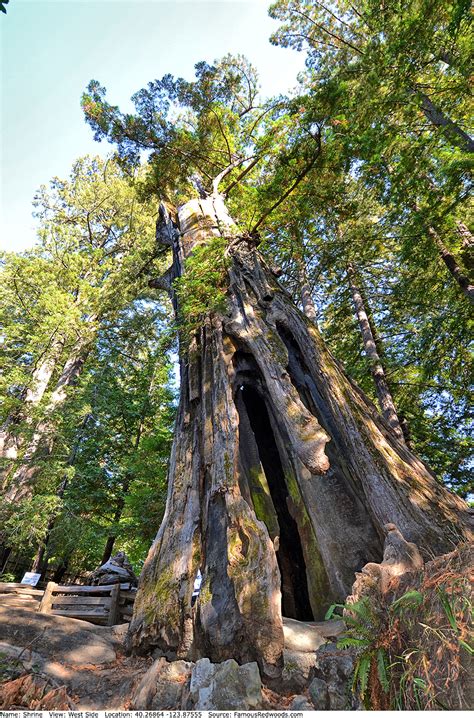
[(386, 403), (276, 454)]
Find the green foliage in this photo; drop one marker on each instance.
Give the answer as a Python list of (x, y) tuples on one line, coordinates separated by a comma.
[(7, 578), (201, 290), (409, 647), (389, 175), (103, 458)]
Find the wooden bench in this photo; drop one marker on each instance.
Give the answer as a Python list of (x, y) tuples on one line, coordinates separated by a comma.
[(97, 604)]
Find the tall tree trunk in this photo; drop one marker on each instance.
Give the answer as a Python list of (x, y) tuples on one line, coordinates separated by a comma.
[(120, 504), (467, 251), (453, 267), (450, 129), (61, 568), (19, 484), (5, 552), (282, 474), (307, 302), (40, 378), (111, 538), (39, 564), (386, 403)]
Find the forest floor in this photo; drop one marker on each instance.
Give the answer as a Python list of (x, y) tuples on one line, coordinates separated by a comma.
[(88, 660), (84, 666)]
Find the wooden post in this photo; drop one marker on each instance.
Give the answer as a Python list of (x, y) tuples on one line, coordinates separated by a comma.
[(47, 600), (114, 604)]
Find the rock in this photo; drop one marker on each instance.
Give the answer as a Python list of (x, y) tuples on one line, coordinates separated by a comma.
[(224, 686), (161, 688), (300, 703), (318, 692), (330, 629), (297, 667), (25, 656), (57, 638), (335, 667), (302, 637), (117, 569)]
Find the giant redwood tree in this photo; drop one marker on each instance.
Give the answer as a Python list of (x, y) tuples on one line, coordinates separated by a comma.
[(282, 474)]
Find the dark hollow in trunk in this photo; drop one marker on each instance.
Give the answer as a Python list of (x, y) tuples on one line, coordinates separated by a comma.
[(294, 585)]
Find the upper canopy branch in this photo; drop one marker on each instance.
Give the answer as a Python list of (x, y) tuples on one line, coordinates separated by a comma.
[(218, 179), (293, 186)]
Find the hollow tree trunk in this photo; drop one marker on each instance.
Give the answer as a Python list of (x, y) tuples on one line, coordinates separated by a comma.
[(387, 405), (282, 474)]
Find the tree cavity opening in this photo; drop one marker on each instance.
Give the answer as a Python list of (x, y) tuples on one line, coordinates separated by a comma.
[(259, 452)]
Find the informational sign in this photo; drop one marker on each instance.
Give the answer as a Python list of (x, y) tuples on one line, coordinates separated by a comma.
[(31, 578)]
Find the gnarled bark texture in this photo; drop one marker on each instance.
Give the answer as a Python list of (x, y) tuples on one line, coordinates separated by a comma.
[(282, 473)]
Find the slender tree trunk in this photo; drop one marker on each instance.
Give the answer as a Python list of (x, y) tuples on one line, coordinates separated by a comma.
[(19, 484), (282, 474), (386, 403), (109, 544), (309, 307), (61, 568), (453, 267), (467, 251), (451, 130), (41, 376), (39, 565), (120, 505), (5, 552)]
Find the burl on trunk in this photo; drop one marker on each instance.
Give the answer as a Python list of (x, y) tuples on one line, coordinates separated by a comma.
[(282, 472)]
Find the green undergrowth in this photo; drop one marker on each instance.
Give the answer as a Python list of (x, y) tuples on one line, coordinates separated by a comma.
[(414, 644), (201, 290)]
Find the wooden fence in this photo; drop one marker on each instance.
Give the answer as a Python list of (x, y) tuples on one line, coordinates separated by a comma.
[(73, 601)]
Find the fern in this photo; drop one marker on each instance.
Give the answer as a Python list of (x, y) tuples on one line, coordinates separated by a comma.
[(382, 669)]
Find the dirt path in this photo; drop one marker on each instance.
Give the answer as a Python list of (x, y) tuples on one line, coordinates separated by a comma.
[(88, 660)]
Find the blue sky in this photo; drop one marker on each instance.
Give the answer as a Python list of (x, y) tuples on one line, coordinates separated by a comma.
[(50, 51)]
